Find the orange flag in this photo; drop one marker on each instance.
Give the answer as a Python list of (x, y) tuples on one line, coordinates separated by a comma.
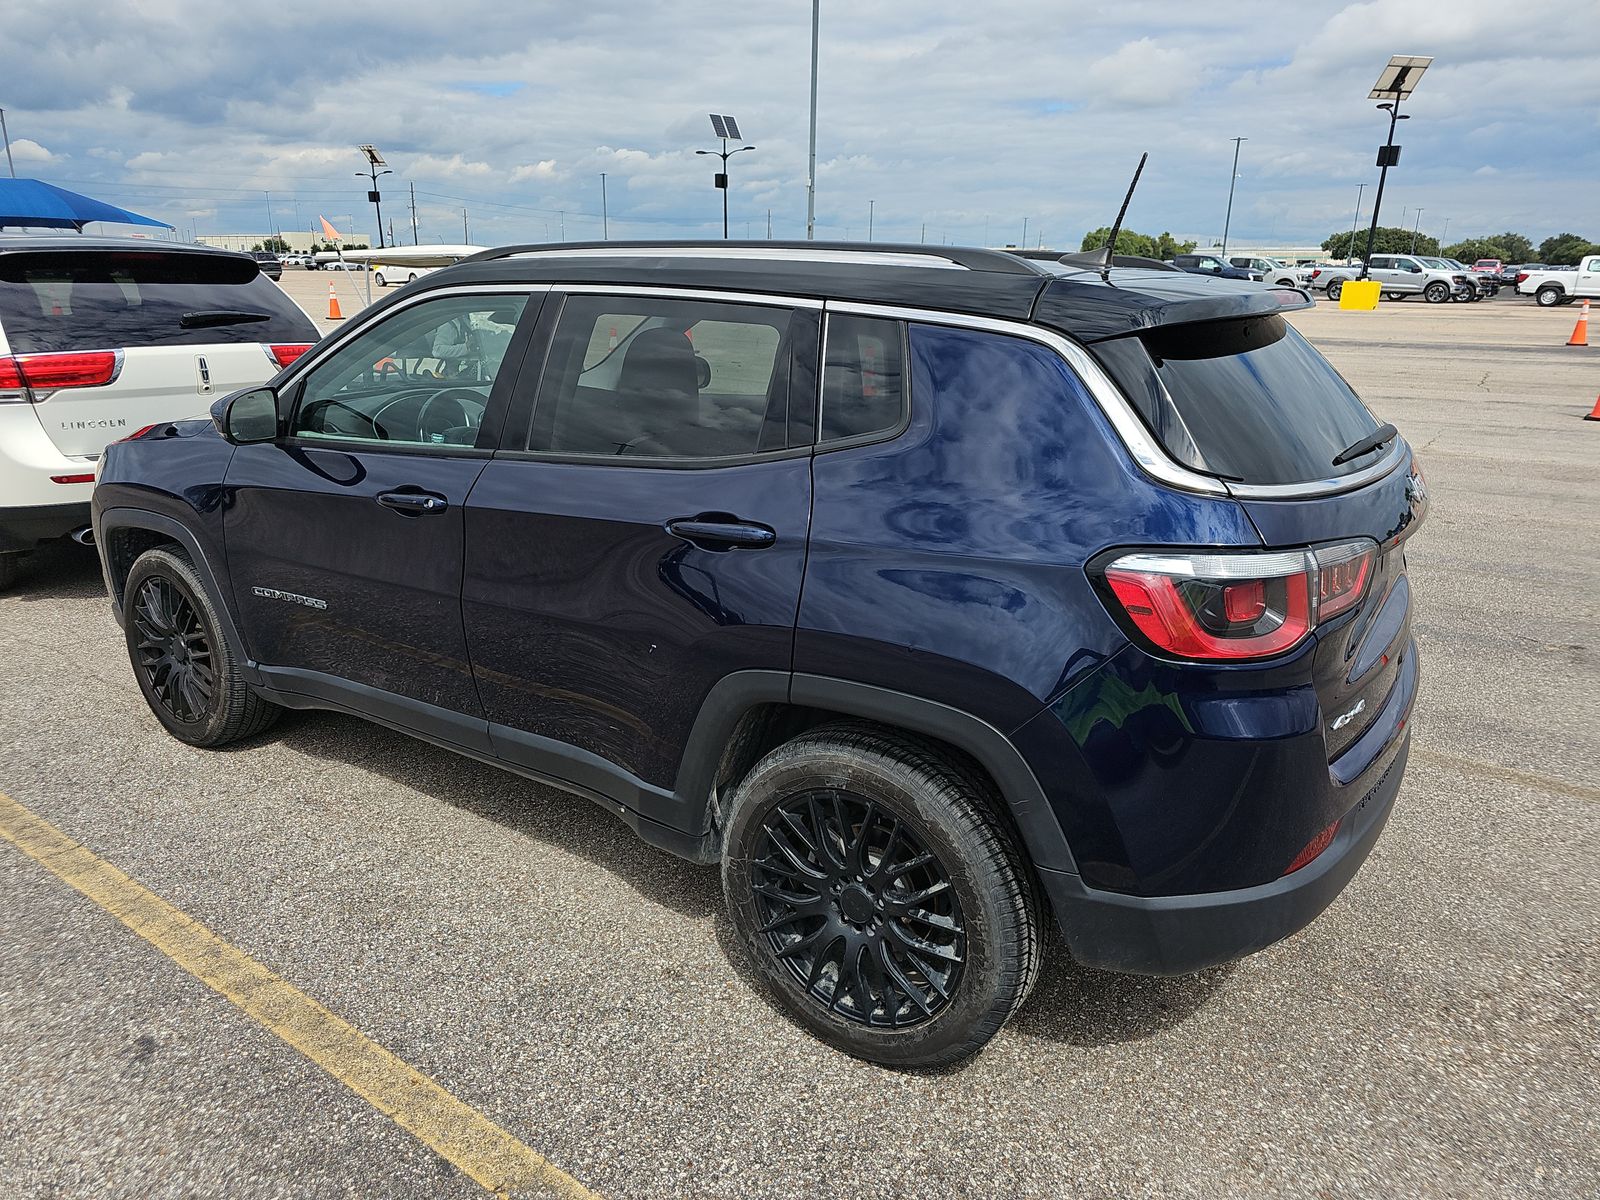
[(329, 232)]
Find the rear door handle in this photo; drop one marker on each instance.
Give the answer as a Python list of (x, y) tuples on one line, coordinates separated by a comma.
[(717, 532), (413, 504)]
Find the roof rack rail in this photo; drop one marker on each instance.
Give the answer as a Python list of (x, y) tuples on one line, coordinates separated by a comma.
[(972, 258)]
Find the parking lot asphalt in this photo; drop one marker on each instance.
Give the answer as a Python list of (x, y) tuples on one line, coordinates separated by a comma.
[(1432, 1035)]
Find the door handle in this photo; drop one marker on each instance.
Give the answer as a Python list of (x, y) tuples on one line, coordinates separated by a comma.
[(716, 531), (413, 504)]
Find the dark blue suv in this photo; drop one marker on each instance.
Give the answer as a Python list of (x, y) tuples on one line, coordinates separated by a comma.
[(931, 592)]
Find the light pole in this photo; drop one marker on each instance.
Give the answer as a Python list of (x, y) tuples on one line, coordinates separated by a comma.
[(1445, 236), (724, 127), (374, 161), (811, 176), (872, 206), (1396, 83), (1350, 250), (605, 217), (1414, 229), (1227, 221)]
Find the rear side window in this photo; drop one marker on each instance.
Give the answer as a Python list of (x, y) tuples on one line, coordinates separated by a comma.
[(863, 380), (1248, 400), (641, 377), (122, 299)]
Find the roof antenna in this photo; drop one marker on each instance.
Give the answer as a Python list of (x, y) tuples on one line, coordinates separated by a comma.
[(1104, 257)]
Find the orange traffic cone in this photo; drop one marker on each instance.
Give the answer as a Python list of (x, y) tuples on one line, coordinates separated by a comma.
[(1595, 415), (1580, 331), (333, 304)]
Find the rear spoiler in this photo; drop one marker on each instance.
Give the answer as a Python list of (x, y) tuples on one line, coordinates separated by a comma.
[(1092, 310)]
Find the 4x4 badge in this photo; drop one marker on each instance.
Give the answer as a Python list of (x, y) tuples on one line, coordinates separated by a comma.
[(1339, 722)]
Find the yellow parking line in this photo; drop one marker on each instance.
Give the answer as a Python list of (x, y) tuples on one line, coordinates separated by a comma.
[(455, 1130)]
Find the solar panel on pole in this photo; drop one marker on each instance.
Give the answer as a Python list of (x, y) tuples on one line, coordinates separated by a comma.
[(733, 128), (1399, 78), (719, 128)]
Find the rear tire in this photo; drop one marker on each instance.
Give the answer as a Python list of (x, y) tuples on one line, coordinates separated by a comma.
[(1437, 292), (881, 900), (1548, 296), (1335, 288), (182, 662)]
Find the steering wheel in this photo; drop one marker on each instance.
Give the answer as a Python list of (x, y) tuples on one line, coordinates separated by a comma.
[(451, 395), (377, 430)]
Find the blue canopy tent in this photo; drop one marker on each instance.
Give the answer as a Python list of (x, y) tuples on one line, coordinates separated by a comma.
[(35, 204)]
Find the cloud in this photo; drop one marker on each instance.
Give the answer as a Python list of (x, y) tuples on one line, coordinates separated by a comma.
[(28, 150), (966, 121), (1143, 74), (543, 169)]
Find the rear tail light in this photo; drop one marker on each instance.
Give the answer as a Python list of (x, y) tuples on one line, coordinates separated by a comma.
[(1316, 272), (52, 372), (1313, 848), (1227, 607), (1521, 275), (283, 355), (84, 478)]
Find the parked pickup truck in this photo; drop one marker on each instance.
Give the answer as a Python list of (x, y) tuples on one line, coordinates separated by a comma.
[(1274, 270), (1400, 275), (1562, 285)]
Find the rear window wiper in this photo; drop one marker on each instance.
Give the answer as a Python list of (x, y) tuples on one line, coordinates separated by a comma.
[(221, 316), (1381, 435)]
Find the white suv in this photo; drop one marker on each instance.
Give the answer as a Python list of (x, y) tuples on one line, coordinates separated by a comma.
[(101, 338)]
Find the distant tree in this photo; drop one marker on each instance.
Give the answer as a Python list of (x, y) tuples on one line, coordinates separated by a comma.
[(275, 244), (1565, 249), (1471, 250), (1390, 239), (1518, 249), (1167, 246), (1140, 244)]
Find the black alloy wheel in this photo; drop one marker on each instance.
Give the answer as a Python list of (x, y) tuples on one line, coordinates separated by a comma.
[(858, 909), (880, 895), (174, 651), (183, 663)]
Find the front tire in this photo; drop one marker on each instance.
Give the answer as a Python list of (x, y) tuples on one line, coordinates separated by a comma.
[(1548, 296), (882, 902), (1437, 292), (184, 666), (380, 280)]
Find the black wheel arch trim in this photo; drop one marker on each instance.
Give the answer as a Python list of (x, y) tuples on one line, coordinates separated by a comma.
[(736, 694), (107, 521)]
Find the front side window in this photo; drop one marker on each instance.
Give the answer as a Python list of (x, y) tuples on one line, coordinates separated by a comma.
[(863, 379), (641, 377), (419, 377)]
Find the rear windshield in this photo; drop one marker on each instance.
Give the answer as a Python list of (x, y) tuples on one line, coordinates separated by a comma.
[(106, 300), (1249, 400)]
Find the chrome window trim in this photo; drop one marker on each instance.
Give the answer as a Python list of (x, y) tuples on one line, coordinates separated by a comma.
[(331, 343), (771, 299), (1146, 452), (883, 258)]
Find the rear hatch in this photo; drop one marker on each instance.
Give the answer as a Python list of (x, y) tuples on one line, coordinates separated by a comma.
[(1252, 402), (111, 340)]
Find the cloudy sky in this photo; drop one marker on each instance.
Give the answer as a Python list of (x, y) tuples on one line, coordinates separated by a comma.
[(961, 119)]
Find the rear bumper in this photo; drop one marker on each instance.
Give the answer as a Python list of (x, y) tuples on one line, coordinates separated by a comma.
[(24, 528), (1176, 935)]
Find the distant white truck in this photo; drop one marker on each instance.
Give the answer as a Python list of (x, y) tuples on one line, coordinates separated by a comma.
[(1562, 285)]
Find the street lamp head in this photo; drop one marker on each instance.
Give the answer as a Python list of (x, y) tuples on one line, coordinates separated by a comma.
[(705, 151)]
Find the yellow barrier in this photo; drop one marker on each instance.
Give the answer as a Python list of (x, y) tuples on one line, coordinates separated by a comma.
[(1359, 293)]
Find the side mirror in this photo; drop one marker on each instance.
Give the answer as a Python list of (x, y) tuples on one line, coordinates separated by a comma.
[(247, 418)]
